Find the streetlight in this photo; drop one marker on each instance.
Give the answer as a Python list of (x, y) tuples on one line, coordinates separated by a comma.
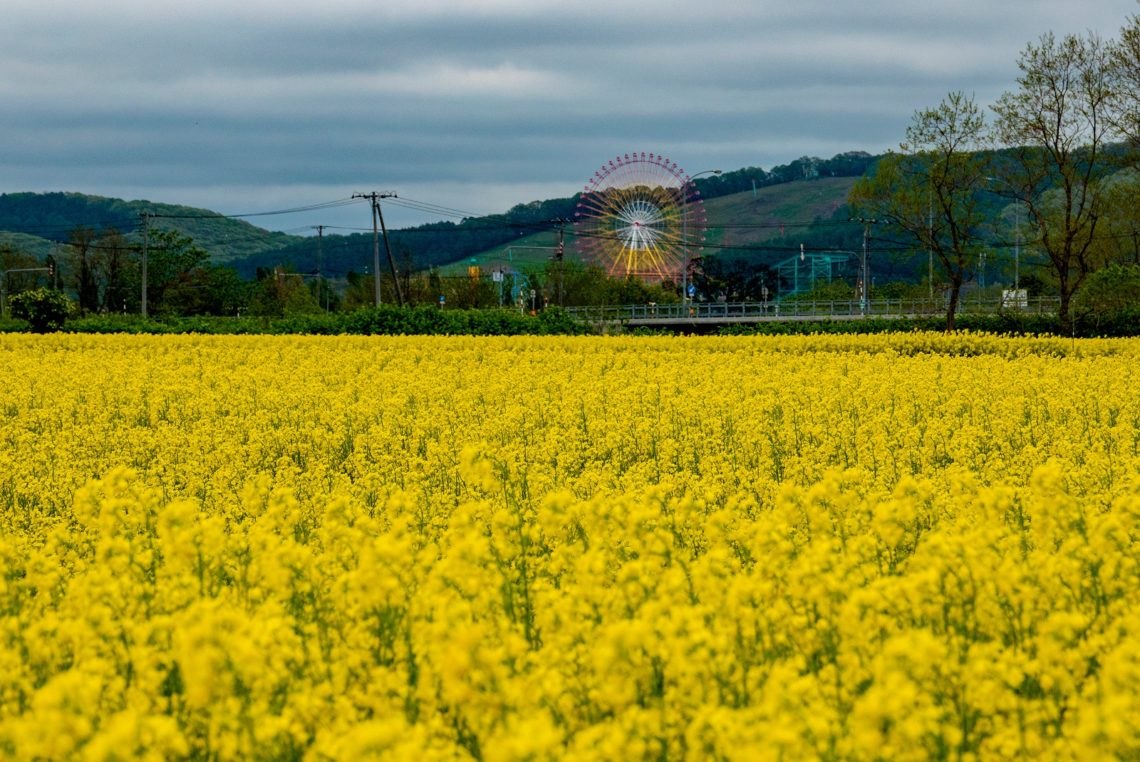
[(1017, 237), (685, 231), (865, 274)]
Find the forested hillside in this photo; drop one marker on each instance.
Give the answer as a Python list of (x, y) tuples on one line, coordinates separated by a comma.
[(34, 222)]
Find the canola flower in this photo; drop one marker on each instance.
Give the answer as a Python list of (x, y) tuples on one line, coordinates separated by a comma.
[(834, 547)]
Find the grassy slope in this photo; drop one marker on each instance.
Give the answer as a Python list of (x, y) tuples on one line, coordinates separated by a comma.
[(788, 204), (29, 244)]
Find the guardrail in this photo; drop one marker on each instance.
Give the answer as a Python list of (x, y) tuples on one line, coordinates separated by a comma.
[(801, 310)]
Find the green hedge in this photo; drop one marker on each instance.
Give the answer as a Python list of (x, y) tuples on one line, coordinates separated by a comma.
[(373, 321), (391, 320), (1119, 324), (11, 325)]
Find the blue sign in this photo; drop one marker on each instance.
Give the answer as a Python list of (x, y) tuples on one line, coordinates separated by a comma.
[(692, 290)]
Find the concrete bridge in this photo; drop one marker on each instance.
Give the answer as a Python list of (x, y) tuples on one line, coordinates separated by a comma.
[(710, 315)]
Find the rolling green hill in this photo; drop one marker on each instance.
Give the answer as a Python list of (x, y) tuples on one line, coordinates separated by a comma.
[(36, 222)]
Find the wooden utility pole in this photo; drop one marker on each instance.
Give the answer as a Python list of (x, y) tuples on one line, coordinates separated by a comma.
[(145, 256), (377, 218), (320, 263), (391, 259)]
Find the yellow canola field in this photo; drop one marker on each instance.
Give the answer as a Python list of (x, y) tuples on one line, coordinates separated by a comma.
[(904, 547)]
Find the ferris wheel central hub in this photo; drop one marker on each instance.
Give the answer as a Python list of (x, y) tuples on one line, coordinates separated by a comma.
[(640, 215)]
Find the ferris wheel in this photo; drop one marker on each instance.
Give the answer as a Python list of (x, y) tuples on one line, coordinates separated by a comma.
[(640, 215)]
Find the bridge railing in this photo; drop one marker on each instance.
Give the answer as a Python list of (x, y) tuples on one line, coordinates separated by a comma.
[(790, 310)]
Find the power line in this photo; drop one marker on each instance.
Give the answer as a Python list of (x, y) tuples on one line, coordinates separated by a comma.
[(293, 210)]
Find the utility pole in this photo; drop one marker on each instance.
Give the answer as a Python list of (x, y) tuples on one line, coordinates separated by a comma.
[(320, 264), (374, 197), (865, 271), (388, 249), (560, 253), (145, 256)]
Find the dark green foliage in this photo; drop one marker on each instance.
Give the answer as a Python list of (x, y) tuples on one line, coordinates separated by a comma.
[(1008, 323), (44, 309), (850, 164), (385, 320), (53, 217), (1109, 299)]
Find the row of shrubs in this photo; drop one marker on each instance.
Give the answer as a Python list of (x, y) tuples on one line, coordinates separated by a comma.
[(384, 320), (40, 313), (1083, 326)]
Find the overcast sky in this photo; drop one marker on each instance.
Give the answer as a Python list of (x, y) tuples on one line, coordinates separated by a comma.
[(474, 105)]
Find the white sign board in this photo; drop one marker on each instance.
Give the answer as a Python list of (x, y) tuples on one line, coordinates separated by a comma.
[(1015, 298)]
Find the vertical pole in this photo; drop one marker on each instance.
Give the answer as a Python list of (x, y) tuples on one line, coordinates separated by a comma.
[(388, 249), (145, 257), (796, 272), (561, 255), (373, 197), (376, 248), (863, 289), (320, 267), (684, 245)]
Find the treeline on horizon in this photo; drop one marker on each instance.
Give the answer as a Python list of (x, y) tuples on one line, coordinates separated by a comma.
[(441, 243), (54, 217)]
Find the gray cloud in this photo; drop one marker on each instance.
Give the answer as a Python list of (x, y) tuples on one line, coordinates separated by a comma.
[(474, 104)]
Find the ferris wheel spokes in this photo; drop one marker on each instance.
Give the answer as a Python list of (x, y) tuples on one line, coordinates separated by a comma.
[(640, 215)]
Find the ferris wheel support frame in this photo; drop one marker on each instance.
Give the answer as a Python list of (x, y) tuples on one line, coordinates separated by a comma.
[(635, 218)]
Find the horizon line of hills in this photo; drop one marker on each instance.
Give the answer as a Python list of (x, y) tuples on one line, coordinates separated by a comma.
[(37, 223)]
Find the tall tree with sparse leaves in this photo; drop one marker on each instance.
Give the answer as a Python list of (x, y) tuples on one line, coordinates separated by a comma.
[(1057, 125), (1126, 108), (931, 190)]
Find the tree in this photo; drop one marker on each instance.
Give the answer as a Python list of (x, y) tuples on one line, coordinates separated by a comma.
[(932, 190), (1056, 124), (112, 265), (172, 259), (278, 293), (14, 259), (43, 308), (14, 275), (206, 290), (1125, 113), (1111, 296), (83, 241), (734, 277), (360, 291), (1120, 241)]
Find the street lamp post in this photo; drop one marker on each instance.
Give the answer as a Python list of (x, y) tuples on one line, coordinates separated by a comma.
[(864, 282), (685, 232)]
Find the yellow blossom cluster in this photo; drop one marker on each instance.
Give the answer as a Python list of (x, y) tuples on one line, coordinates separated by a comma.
[(832, 547)]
